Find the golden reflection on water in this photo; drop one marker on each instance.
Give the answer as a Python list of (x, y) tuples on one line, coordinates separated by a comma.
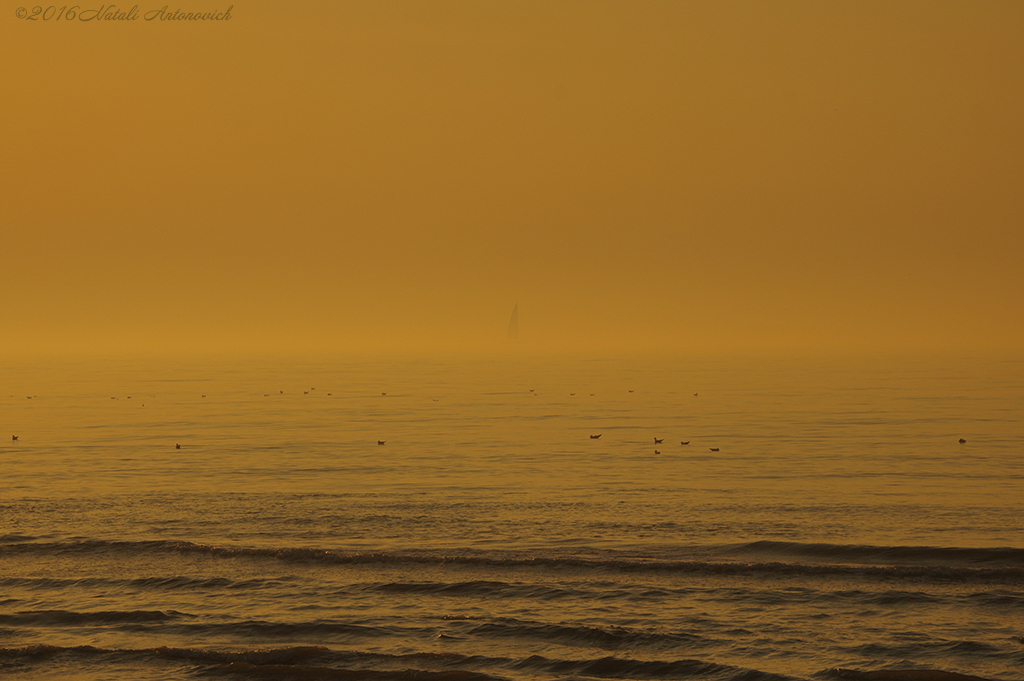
[(853, 431)]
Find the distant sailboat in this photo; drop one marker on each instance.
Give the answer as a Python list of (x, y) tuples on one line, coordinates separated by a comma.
[(513, 324)]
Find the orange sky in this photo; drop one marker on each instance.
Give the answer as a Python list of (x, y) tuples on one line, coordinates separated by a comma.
[(690, 176)]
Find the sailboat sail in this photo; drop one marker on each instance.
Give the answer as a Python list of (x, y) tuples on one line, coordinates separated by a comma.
[(513, 324)]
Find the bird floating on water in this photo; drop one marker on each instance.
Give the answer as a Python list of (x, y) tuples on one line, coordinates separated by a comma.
[(685, 442), (383, 393), (714, 449), (14, 437), (962, 440), (657, 441), (380, 442), (177, 446), (594, 437), (656, 451)]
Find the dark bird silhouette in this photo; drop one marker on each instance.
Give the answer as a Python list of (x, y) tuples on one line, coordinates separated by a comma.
[(714, 449), (592, 394), (329, 394), (383, 393), (177, 446), (266, 394), (204, 395), (14, 437), (962, 440), (380, 442), (630, 391), (571, 394), (594, 437), (695, 394), (305, 392), (531, 390), (656, 451), (685, 442), (657, 441)]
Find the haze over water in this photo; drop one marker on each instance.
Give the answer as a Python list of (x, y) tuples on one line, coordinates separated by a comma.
[(839, 524), (647, 175)]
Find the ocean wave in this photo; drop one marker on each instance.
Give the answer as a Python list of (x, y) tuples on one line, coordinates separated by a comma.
[(608, 639), (178, 623), (619, 668), (885, 555), (924, 648), (962, 566), (468, 589), (335, 631), (289, 673), (481, 589), (68, 618), (310, 662), (997, 598), (902, 675), (157, 583), (290, 656)]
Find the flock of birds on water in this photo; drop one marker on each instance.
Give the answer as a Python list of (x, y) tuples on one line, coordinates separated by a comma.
[(657, 441)]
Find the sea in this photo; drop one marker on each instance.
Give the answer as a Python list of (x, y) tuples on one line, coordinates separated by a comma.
[(519, 517)]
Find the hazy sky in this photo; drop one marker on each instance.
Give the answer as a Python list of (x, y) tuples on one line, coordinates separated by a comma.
[(336, 174)]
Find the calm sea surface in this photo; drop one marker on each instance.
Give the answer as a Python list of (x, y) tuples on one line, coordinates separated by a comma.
[(823, 521)]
